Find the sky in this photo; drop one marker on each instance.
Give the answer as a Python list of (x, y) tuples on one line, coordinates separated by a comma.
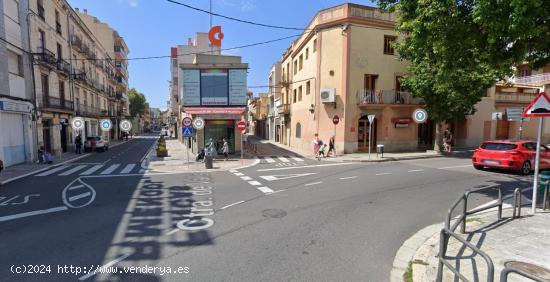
[(151, 27)]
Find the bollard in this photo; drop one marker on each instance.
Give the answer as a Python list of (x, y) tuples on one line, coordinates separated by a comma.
[(208, 162)]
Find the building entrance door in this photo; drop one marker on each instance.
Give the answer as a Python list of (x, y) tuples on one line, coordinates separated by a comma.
[(363, 134), (426, 135)]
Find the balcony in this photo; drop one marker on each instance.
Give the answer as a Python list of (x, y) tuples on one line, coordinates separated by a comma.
[(63, 67), (88, 111), (514, 97), (122, 96), (387, 97), (76, 42), (45, 58), (79, 75), (283, 109), (57, 103)]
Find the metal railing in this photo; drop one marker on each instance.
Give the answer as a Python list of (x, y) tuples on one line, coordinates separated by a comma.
[(45, 56), (283, 109), (508, 270), (63, 66), (367, 96), (57, 103), (515, 97), (537, 79), (89, 111)]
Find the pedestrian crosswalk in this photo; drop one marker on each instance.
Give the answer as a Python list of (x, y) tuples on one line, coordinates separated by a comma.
[(281, 159), (92, 169)]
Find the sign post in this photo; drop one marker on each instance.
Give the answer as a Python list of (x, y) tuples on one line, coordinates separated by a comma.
[(371, 119), (539, 107), (187, 132), (241, 125), (335, 120)]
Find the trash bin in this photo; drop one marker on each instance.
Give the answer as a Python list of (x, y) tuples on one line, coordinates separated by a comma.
[(544, 176), (208, 162), (380, 150)]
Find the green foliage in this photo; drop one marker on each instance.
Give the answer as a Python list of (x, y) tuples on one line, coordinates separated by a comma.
[(459, 48), (137, 102)]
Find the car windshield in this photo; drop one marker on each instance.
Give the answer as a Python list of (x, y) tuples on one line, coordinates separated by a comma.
[(498, 146)]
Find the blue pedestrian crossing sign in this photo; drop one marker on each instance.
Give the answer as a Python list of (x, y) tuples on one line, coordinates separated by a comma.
[(187, 132)]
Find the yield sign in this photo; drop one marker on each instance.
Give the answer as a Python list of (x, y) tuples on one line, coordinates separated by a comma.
[(285, 176), (540, 107)]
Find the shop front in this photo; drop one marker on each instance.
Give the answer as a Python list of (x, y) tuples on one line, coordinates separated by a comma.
[(217, 130)]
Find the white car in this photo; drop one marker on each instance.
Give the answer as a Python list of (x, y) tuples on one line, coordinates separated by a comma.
[(100, 144)]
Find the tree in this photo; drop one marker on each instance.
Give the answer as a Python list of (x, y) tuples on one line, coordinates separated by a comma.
[(459, 48), (137, 102)]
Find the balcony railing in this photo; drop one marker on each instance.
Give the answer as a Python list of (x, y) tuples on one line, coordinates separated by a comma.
[(515, 97), (76, 41), (41, 12), (45, 57), (391, 97), (57, 103), (88, 111), (64, 67), (283, 109), (79, 75)]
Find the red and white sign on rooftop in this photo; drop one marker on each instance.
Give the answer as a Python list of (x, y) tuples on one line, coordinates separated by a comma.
[(539, 107)]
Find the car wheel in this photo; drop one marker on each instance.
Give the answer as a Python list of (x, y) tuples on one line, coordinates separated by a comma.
[(526, 168), (478, 167)]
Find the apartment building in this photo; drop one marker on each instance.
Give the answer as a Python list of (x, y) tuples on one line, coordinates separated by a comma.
[(117, 50), (274, 94), (17, 111)]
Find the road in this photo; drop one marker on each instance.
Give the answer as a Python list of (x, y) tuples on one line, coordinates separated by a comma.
[(285, 219)]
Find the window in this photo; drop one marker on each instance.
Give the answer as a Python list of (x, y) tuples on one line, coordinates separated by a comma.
[(12, 10), (45, 85), (301, 62), (314, 45), (287, 71), (298, 130), (300, 93), (524, 71), (61, 90), (284, 73), (504, 146), (59, 52), (308, 88), (15, 63), (41, 40), (295, 66), (41, 12), (388, 44), (307, 53), (57, 23), (294, 100)]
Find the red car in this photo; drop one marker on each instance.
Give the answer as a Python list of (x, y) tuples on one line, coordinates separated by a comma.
[(513, 155)]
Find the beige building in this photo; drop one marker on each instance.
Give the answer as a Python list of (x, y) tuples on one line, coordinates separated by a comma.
[(74, 75)]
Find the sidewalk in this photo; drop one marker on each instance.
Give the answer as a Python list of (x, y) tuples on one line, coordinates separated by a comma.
[(524, 240), (15, 172), (266, 148), (177, 160)]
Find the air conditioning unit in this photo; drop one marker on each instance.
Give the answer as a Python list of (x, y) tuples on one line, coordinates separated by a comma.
[(328, 95)]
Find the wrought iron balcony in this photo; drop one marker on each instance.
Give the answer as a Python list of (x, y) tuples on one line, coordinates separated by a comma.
[(76, 41), (56, 103), (283, 109), (88, 111), (79, 75), (45, 57), (391, 97), (63, 67)]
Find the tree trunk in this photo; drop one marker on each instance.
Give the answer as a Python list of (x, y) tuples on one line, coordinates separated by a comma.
[(438, 142)]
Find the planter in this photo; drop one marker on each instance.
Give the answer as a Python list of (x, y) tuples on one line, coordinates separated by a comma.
[(162, 153)]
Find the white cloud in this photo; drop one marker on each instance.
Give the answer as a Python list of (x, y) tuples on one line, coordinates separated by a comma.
[(225, 3), (131, 3), (247, 5)]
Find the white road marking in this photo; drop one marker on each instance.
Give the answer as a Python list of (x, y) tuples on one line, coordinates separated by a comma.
[(110, 169), (385, 173), (269, 159), (305, 166), (230, 205), (172, 231), (456, 166), (142, 170), (265, 190), (107, 265), (92, 169), (287, 176), (128, 168), (415, 170), (297, 159), (72, 170), (233, 171), (76, 187), (238, 173), (52, 171), (83, 195), (350, 177), (32, 213), (246, 178), (314, 183), (254, 183), (283, 159), (277, 191)]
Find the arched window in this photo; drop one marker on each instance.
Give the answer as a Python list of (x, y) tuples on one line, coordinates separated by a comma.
[(298, 130)]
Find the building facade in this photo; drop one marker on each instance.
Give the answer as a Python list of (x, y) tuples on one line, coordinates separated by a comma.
[(274, 94), (17, 110)]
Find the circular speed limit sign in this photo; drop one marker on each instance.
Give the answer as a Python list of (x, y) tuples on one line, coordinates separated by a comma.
[(125, 125), (77, 123)]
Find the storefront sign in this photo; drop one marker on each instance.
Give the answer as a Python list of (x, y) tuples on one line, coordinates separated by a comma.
[(13, 106), (207, 111), (237, 87), (191, 87), (401, 120), (213, 87), (401, 125)]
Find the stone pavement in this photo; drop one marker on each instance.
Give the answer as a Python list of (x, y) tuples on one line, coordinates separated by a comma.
[(177, 160), (15, 172), (526, 239)]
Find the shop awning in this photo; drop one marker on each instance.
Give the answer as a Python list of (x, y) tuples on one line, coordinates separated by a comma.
[(215, 111)]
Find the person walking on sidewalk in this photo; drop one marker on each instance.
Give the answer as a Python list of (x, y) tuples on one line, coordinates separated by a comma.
[(447, 140), (331, 147), (78, 144), (225, 149), (316, 146), (1, 168)]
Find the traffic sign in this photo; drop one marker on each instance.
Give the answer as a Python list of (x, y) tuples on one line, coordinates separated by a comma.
[(335, 119), (198, 123), (106, 125), (125, 125), (539, 107), (187, 122), (420, 115), (187, 132), (371, 118), (241, 125), (77, 123)]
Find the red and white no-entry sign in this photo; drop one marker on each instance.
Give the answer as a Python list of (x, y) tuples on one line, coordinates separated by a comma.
[(335, 119), (241, 125)]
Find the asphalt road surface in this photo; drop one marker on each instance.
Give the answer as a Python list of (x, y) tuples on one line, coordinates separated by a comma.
[(285, 219)]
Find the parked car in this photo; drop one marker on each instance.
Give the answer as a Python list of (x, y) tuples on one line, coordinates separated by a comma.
[(508, 154), (100, 144)]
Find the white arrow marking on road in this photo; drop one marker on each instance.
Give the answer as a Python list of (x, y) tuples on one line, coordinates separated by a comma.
[(285, 176), (92, 169)]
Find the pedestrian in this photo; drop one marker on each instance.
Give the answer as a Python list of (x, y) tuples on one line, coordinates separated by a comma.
[(331, 147), (447, 140), (225, 149), (316, 145), (1, 168), (322, 152), (93, 143), (41, 155), (78, 144)]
